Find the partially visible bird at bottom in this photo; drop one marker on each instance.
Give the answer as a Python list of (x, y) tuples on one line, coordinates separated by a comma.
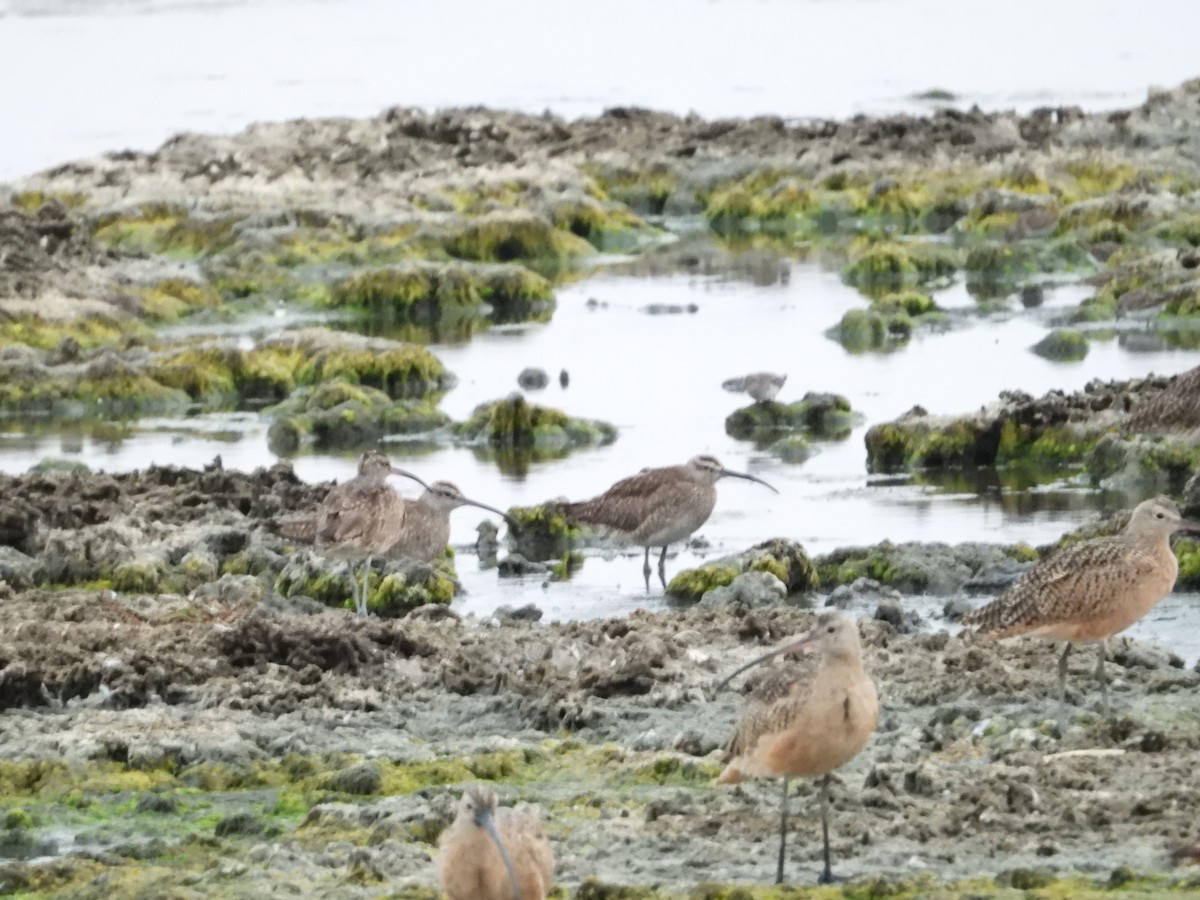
[(1091, 590), (657, 507), (805, 718), (495, 854)]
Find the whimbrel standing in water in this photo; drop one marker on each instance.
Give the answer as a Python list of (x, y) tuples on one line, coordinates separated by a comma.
[(657, 507), (425, 528), (490, 854), (1091, 590), (806, 718), (761, 386), (360, 517)]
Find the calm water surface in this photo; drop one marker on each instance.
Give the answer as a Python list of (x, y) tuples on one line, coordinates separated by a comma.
[(86, 76)]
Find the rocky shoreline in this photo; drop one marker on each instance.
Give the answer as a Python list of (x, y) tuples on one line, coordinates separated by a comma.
[(186, 712)]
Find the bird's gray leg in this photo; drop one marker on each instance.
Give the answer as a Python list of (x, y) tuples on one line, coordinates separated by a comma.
[(1062, 689), (1102, 678), (827, 873), (662, 567), (362, 605), (646, 569), (782, 832)]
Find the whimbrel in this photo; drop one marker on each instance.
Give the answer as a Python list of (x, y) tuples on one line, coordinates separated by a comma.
[(806, 718), (490, 854), (424, 530), (358, 518), (1091, 590), (657, 507), (761, 386)]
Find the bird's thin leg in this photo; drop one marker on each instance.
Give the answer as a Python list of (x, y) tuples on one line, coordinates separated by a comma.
[(646, 569), (662, 567), (782, 832), (1062, 689), (1102, 677), (827, 873), (362, 606)]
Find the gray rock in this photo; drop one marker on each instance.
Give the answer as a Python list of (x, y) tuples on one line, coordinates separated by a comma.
[(889, 610), (527, 613), (532, 379), (956, 608), (362, 779), (16, 568), (515, 565), (994, 577), (748, 589)]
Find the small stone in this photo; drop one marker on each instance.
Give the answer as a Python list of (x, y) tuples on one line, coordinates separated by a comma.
[(748, 589), (527, 613), (515, 565), (362, 780), (533, 379), (564, 378), (889, 610)]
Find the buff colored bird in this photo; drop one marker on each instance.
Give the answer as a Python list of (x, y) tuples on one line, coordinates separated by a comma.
[(807, 717), (1091, 590), (495, 854)]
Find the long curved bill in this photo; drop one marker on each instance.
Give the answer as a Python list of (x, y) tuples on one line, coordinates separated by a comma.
[(512, 523), (754, 478), (801, 643), (396, 470), (1187, 525), (485, 820)]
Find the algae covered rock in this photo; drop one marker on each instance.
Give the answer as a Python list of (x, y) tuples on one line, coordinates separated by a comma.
[(393, 587), (815, 415), (1062, 345), (516, 423), (338, 414), (785, 561), (542, 532)]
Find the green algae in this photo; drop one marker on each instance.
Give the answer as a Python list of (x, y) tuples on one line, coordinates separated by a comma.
[(32, 201), (692, 584), (406, 371), (389, 593), (542, 532), (816, 415), (167, 229), (172, 298), (221, 373), (87, 331), (1062, 345), (510, 235), (516, 423)]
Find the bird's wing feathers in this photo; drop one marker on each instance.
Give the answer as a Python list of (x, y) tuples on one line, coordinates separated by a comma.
[(774, 703), (623, 506)]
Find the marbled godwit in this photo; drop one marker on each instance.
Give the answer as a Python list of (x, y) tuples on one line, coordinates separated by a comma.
[(761, 386), (358, 518), (657, 507), (806, 718), (424, 530), (490, 854), (1091, 590)]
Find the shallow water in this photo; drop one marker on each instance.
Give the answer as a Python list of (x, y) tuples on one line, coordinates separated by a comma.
[(658, 378), (100, 75)]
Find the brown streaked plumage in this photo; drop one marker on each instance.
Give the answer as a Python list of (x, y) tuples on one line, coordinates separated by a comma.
[(1091, 590), (424, 530), (359, 518), (806, 718), (657, 507), (762, 387), (495, 854), (1176, 408)]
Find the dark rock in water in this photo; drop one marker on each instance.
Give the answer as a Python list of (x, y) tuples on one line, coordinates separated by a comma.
[(889, 610), (1032, 295), (564, 378), (527, 613), (956, 608), (362, 780), (515, 565), (487, 544), (532, 379), (669, 309)]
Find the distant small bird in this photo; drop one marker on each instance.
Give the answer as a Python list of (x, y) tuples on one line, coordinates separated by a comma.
[(805, 718), (358, 518), (761, 386), (1091, 590), (424, 528), (491, 854), (657, 507)]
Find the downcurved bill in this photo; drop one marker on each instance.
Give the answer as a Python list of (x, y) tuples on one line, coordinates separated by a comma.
[(1187, 525), (396, 470), (485, 820), (512, 523), (804, 642), (733, 474)]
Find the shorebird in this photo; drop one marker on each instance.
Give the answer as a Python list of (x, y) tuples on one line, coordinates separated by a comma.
[(657, 507), (474, 858), (358, 518), (805, 718), (424, 529), (1091, 590), (761, 386)]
